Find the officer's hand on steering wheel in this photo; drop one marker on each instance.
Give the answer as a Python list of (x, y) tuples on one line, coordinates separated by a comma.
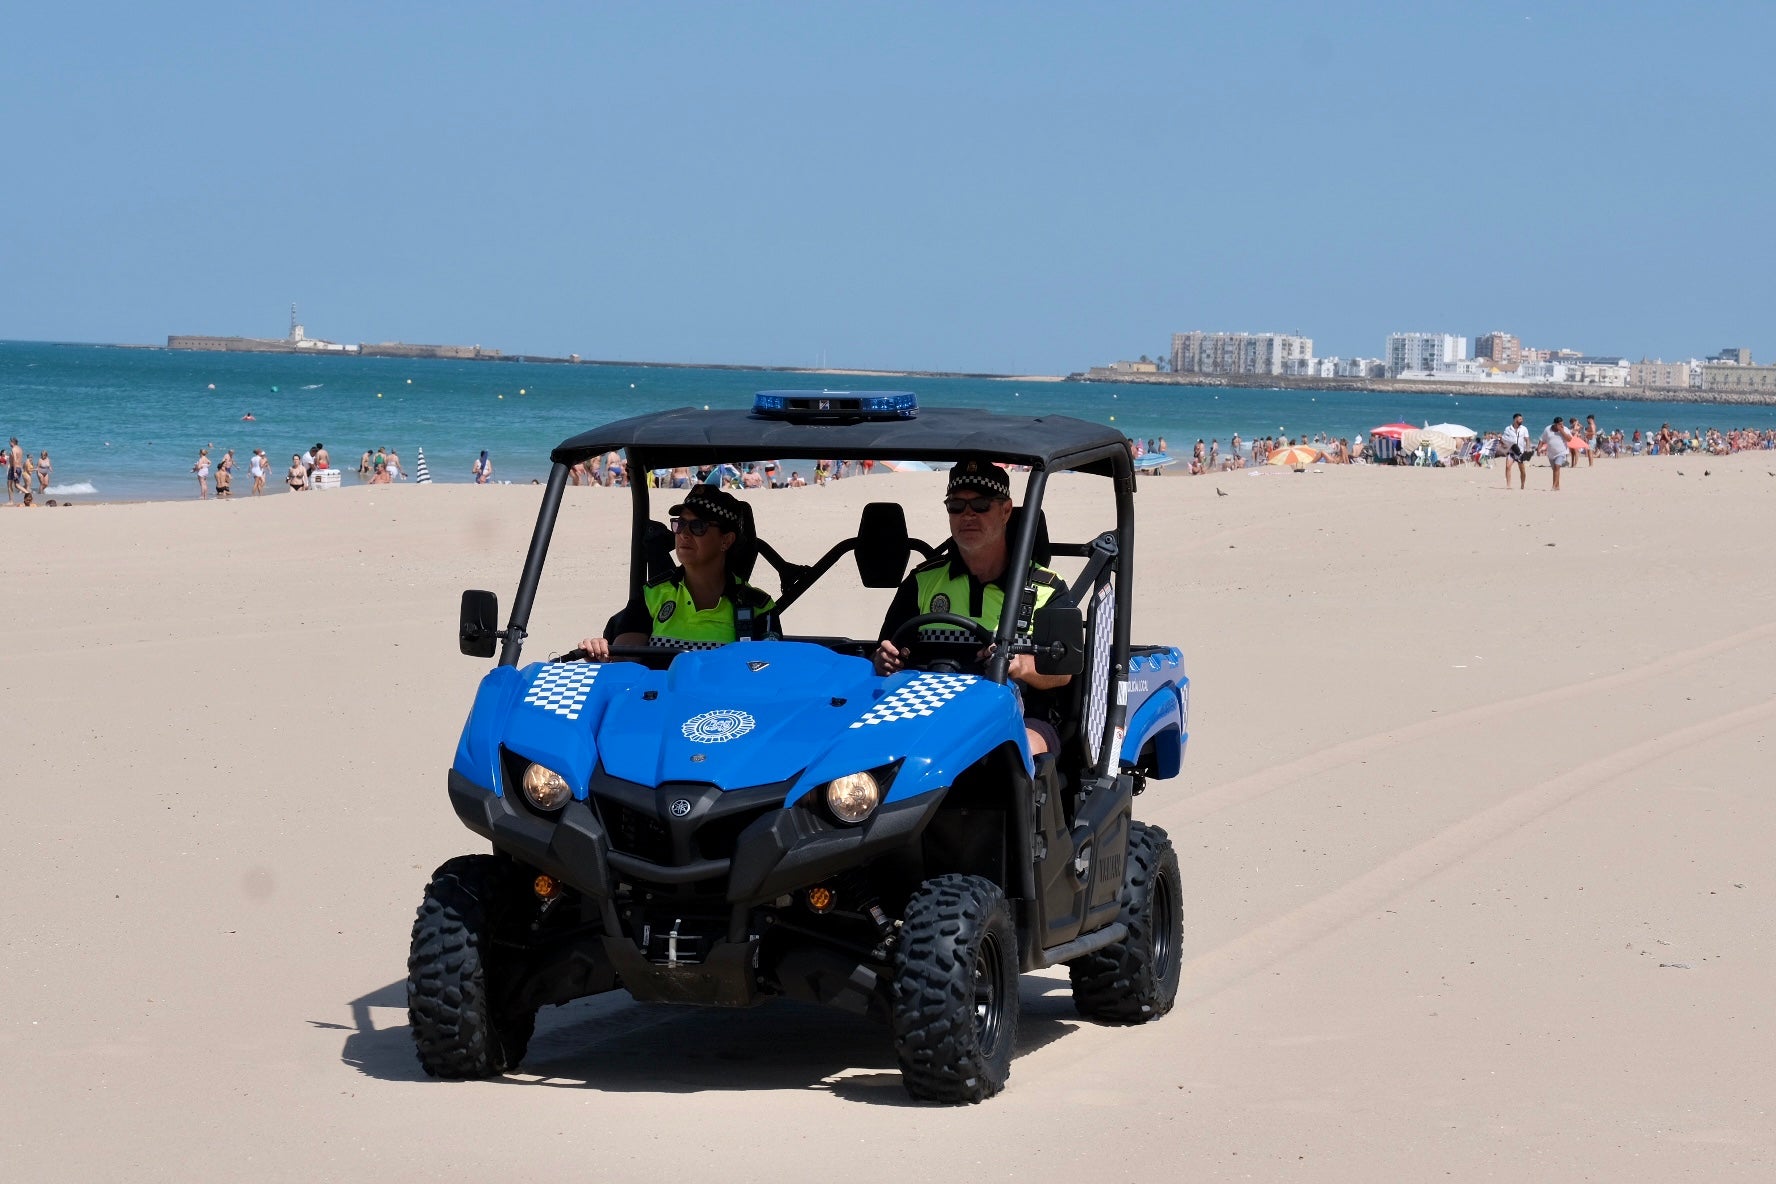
[(597, 649), (888, 658)]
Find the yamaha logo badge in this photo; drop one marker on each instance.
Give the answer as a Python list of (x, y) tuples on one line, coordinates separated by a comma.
[(681, 807), (717, 727), (755, 667)]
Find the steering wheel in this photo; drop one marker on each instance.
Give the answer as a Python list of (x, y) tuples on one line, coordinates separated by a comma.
[(907, 636), (617, 653)]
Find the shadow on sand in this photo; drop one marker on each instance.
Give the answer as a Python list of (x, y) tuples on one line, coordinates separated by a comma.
[(613, 1043)]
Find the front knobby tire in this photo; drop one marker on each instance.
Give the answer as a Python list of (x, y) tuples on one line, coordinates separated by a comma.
[(955, 1012), (459, 1029), (1136, 980)]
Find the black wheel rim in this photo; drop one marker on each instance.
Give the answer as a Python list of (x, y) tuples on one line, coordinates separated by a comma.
[(989, 985), (1164, 922)]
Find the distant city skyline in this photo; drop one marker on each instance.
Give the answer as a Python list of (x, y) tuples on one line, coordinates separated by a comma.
[(1006, 188)]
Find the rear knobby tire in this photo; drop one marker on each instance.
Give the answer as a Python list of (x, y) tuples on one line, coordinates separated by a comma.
[(460, 1030), (1136, 980), (955, 1010)]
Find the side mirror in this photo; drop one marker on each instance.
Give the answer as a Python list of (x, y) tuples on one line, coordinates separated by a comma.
[(1060, 640), (477, 633)]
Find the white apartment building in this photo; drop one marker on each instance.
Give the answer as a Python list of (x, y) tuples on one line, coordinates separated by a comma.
[(1422, 352), (1597, 371), (1238, 353), (1667, 375)]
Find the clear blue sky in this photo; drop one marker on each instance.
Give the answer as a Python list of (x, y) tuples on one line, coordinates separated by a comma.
[(1033, 187)]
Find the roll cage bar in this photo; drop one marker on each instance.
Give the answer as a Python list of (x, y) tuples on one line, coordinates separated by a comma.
[(685, 438)]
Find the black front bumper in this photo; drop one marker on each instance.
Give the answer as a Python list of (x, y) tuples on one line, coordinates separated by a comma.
[(633, 836)]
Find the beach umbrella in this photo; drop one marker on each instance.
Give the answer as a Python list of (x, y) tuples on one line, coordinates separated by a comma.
[(1453, 429), (1441, 443), (1393, 429), (1296, 454), (421, 474), (906, 466)]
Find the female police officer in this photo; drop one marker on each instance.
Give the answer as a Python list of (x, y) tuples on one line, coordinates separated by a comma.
[(700, 600)]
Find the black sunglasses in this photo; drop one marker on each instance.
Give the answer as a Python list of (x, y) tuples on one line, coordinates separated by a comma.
[(980, 505), (695, 527)]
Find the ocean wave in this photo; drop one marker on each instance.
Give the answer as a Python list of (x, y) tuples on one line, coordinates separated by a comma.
[(313, 386), (82, 487)]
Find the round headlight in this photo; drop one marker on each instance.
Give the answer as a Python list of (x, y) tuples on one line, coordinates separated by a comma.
[(545, 789), (853, 797)]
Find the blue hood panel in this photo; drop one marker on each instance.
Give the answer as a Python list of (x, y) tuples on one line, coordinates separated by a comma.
[(746, 714)]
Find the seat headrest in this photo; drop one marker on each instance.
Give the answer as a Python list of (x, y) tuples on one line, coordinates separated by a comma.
[(743, 555), (1042, 551), (656, 546), (882, 546)]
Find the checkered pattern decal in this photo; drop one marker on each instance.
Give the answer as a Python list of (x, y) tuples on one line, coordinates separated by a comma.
[(562, 687), (945, 633), (922, 696), (672, 643)]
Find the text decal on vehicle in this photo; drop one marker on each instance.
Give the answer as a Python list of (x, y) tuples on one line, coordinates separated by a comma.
[(716, 727)]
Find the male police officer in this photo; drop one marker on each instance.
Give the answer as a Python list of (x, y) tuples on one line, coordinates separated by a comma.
[(701, 600), (971, 583)]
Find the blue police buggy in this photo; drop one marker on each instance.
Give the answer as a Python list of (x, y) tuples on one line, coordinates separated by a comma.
[(707, 821)]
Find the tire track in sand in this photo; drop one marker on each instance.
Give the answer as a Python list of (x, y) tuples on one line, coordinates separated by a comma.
[(1255, 785), (1225, 966)]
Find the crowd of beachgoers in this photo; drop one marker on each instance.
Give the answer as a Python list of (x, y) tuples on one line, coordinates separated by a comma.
[(1384, 445)]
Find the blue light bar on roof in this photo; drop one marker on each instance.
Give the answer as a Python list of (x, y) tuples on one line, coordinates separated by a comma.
[(835, 406)]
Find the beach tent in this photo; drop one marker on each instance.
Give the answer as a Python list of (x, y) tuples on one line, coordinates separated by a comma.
[(421, 474)]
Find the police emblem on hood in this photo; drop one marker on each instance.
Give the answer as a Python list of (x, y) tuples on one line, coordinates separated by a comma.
[(717, 727)]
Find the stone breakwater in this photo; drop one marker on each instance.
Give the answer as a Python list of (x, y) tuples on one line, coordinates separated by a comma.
[(1495, 390)]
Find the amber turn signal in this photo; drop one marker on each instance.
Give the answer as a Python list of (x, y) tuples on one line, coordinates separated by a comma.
[(822, 899), (545, 887)]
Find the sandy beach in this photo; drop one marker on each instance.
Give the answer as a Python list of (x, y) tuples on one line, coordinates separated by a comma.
[(1474, 827)]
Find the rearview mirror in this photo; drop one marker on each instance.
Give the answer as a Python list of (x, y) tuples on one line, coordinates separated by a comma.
[(1060, 640), (477, 633)]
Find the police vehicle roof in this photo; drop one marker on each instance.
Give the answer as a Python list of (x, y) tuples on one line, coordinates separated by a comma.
[(685, 436)]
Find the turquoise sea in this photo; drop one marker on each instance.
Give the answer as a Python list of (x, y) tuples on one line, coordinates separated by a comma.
[(126, 423)]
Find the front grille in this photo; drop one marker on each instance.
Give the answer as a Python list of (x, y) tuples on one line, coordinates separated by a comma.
[(634, 832), (717, 838)]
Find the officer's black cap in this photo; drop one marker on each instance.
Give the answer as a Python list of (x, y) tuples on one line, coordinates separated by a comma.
[(979, 474), (712, 505)]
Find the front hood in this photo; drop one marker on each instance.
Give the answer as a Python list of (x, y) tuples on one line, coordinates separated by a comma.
[(747, 714), (741, 715)]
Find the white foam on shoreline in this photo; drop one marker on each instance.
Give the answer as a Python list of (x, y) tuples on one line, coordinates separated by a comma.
[(82, 487)]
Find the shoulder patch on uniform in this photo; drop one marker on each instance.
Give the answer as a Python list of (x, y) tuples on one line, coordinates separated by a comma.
[(666, 611), (671, 577), (940, 603), (931, 565)]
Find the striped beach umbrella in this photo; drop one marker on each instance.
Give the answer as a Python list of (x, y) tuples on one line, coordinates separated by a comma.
[(421, 474), (1297, 454)]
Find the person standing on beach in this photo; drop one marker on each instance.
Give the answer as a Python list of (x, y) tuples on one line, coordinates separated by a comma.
[(225, 475), (15, 469), (43, 471), (202, 469), (1515, 441), (393, 464), (1559, 453), (256, 466), (297, 477), (483, 469), (322, 460), (364, 465)]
